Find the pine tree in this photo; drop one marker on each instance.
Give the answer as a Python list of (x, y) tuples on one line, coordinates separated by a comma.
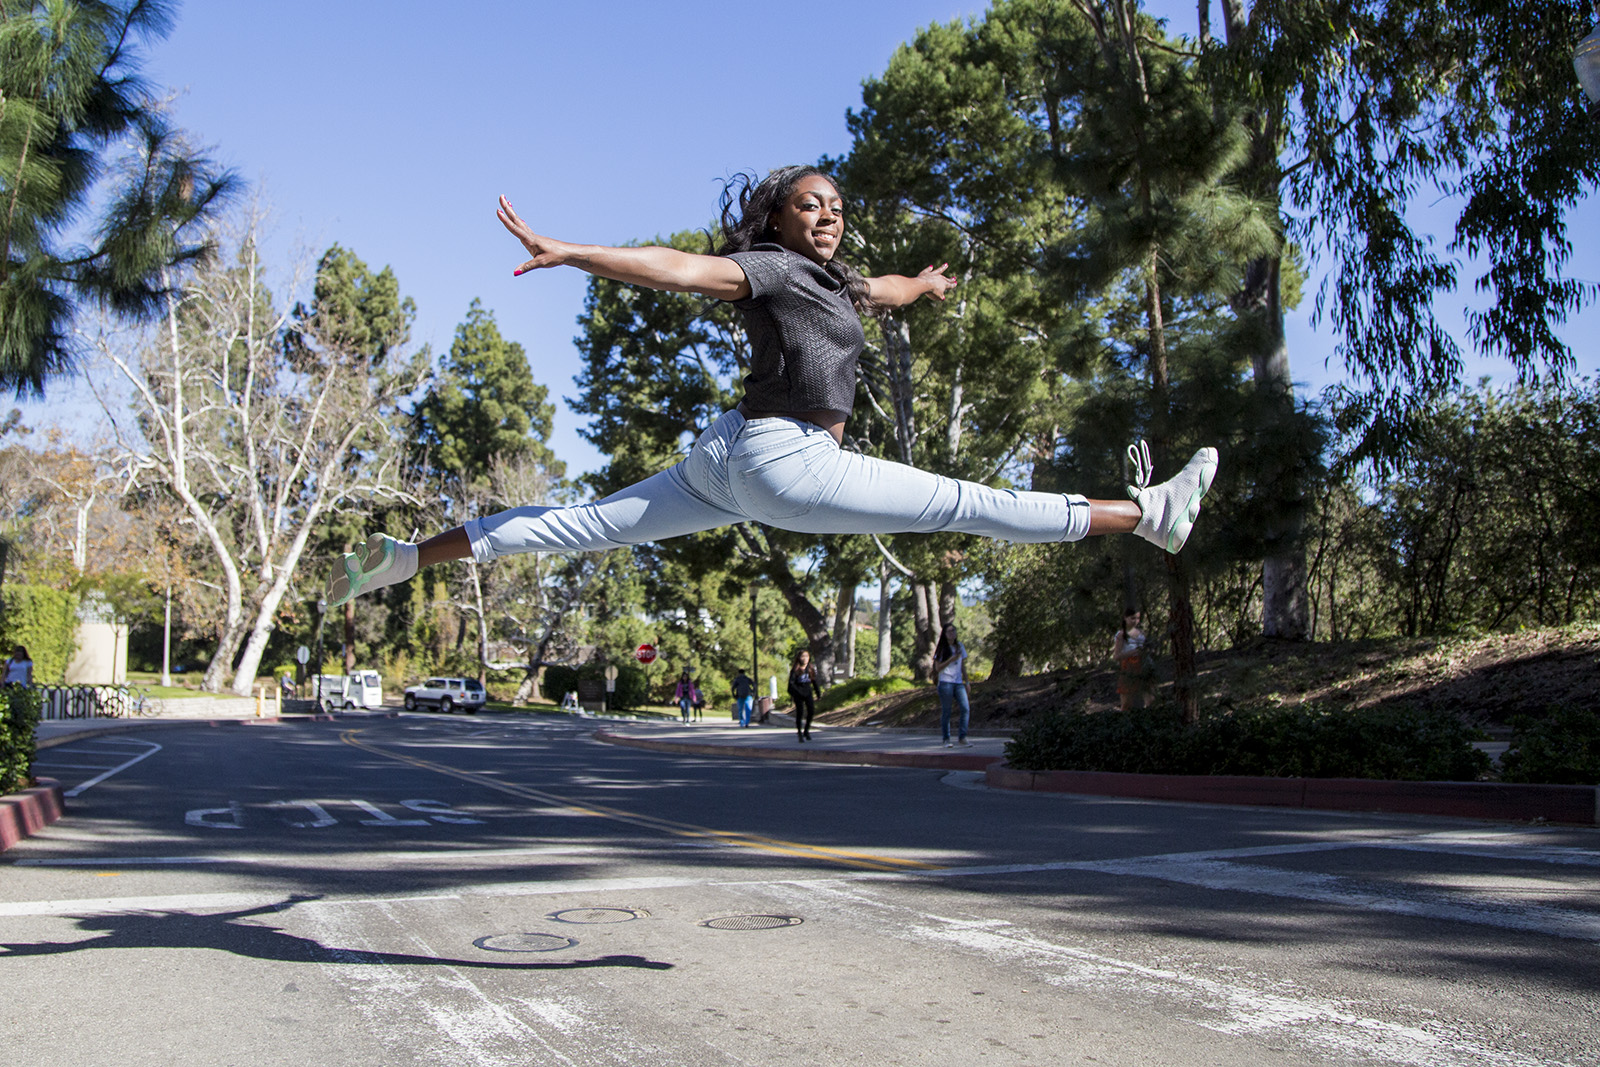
[(74, 112)]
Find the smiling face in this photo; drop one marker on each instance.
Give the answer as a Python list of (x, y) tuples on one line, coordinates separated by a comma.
[(811, 221)]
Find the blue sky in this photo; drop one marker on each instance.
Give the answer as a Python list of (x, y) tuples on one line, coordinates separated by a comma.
[(391, 127)]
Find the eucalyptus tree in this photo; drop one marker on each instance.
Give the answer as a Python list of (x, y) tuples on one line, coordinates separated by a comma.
[(85, 149), (260, 417), (1361, 114)]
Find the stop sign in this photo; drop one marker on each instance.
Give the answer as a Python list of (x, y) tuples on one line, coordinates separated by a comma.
[(645, 653)]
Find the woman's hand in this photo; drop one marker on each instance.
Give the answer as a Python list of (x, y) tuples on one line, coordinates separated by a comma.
[(546, 251), (938, 282)]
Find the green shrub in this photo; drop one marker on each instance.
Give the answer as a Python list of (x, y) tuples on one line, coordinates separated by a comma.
[(1303, 742), (632, 688), (19, 714), (1562, 748), (855, 689), (44, 620)]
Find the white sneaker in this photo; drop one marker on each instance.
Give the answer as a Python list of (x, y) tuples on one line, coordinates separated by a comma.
[(1167, 511), (949, 744), (378, 561)]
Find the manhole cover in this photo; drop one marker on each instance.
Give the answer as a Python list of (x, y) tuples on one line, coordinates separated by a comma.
[(524, 942), (597, 916), (753, 922)]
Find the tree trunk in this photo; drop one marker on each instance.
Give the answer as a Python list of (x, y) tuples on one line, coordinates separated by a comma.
[(1285, 608), (775, 565), (844, 623), (885, 621), (925, 606), (1182, 621)]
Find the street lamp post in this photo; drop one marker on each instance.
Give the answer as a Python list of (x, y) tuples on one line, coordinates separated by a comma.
[(322, 615), (1586, 61)]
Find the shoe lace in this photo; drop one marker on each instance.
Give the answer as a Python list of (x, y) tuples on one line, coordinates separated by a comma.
[(1139, 457)]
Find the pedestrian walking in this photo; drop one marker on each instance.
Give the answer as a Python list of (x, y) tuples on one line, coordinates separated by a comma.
[(804, 690), (19, 667), (744, 696), (950, 674), (683, 693), (1132, 671), (776, 457)]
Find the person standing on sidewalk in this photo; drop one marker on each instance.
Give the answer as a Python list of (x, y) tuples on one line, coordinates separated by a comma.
[(1128, 651), (803, 690), (684, 694), (744, 696), (950, 670), (19, 668)]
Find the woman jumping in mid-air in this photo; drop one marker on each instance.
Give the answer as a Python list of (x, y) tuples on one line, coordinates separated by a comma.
[(776, 458)]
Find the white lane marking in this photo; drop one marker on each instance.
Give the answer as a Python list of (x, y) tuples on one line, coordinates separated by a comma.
[(425, 856), (1440, 905), (1228, 1007), (319, 814), (210, 817), (1178, 867), (383, 818), (91, 783), (125, 861), (438, 1008)]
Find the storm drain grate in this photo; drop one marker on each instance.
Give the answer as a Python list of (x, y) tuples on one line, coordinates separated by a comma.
[(753, 922), (597, 916), (524, 942)]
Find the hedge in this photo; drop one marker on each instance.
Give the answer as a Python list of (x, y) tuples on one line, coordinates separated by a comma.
[(1562, 748), (19, 714), (1301, 742), (43, 620)]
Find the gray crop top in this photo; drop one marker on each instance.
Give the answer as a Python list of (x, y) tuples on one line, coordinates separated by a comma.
[(805, 336)]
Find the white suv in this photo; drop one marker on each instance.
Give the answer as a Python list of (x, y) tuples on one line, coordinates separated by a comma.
[(446, 694)]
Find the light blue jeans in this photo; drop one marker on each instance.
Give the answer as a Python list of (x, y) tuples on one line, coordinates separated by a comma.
[(955, 692), (747, 706), (786, 473)]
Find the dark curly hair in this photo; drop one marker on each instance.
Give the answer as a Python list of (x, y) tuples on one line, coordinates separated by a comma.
[(747, 207)]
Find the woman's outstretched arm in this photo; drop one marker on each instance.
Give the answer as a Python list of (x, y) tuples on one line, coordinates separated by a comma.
[(652, 266), (896, 290)]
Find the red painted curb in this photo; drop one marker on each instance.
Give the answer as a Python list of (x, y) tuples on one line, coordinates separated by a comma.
[(930, 760), (29, 811), (1578, 804)]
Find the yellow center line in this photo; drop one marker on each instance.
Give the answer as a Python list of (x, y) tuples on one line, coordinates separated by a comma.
[(757, 842)]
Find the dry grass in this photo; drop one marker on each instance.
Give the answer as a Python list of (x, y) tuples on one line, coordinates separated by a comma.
[(1485, 679)]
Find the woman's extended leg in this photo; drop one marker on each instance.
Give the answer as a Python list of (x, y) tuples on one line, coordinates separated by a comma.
[(793, 475), (661, 506)]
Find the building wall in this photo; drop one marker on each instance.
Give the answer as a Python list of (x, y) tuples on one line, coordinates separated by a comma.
[(102, 655)]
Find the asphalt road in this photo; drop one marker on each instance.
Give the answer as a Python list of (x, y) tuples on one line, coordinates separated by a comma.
[(424, 890)]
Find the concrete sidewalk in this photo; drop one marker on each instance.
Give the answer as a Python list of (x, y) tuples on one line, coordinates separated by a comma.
[(876, 746), (857, 745)]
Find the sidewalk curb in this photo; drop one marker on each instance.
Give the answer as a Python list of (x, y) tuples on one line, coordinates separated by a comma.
[(29, 811), (931, 760), (1578, 804), (1505, 801)]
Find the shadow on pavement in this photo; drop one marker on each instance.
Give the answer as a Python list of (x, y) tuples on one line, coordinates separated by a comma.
[(222, 931)]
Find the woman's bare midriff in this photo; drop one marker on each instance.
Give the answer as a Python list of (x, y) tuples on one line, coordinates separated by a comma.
[(832, 421)]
